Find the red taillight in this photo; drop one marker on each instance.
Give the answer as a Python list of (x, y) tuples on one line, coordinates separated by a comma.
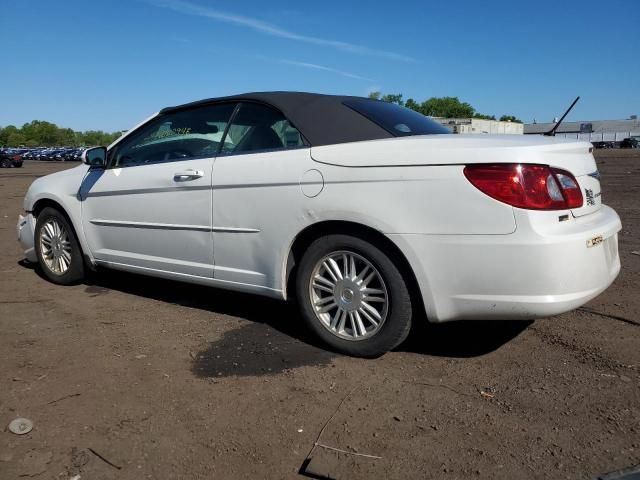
[(570, 188), (534, 187)]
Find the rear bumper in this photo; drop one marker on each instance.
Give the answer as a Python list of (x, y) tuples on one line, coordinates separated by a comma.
[(26, 233), (544, 268)]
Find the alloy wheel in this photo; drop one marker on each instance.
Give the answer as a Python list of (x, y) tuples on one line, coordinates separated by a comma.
[(348, 295), (55, 246)]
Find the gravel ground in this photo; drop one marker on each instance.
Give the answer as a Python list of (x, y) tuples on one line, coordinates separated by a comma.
[(127, 377)]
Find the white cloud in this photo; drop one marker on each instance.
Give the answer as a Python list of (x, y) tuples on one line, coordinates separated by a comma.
[(189, 8), (325, 69)]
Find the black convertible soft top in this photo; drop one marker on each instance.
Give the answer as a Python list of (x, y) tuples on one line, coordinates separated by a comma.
[(322, 119)]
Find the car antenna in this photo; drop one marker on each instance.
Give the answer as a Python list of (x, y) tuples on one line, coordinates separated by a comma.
[(552, 132)]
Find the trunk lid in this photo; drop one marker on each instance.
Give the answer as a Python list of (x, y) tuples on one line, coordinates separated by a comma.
[(571, 155)]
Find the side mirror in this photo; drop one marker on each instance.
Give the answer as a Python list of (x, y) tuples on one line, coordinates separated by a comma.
[(95, 157)]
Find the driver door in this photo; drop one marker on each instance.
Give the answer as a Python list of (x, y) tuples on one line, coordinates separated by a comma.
[(151, 208)]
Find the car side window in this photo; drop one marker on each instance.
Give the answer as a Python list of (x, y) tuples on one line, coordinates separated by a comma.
[(257, 127), (175, 136)]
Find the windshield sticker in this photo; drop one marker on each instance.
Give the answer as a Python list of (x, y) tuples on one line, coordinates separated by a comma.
[(164, 133)]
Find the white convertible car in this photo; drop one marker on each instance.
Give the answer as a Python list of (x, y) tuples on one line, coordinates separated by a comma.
[(371, 215)]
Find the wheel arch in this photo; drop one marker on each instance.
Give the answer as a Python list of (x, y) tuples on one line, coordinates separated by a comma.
[(327, 227), (43, 203)]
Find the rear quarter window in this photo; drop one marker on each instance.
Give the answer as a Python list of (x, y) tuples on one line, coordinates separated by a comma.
[(398, 121)]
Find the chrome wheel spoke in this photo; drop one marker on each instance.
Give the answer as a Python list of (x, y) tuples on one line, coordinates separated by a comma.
[(50, 231), (327, 268), (371, 320), (352, 266), (364, 271), (372, 291), (326, 308), (343, 319), (322, 288), (370, 277), (374, 299), (354, 327), (323, 284), (336, 318), (359, 324), (326, 282), (334, 269), (345, 266), (323, 301), (372, 311)]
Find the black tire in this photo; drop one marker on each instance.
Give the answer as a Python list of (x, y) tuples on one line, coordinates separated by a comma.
[(5, 163), (397, 324), (75, 271)]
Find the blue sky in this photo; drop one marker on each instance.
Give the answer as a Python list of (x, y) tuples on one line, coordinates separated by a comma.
[(109, 64)]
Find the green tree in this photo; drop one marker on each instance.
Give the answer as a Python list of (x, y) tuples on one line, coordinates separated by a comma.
[(484, 117), (393, 98), (39, 133), (6, 132), (16, 140), (44, 133), (389, 97), (449, 107), (510, 118), (66, 136), (412, 104)]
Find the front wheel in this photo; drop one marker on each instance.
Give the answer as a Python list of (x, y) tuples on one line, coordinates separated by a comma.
[(57, 248), (353, 296)]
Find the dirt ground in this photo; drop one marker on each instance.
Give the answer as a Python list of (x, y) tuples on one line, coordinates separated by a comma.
[(128, 377)]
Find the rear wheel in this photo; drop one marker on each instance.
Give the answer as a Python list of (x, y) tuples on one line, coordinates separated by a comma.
[(5, 163), (57, 248), (353, 296)]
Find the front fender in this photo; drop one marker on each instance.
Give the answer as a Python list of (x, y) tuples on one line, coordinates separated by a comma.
[(61, 190)]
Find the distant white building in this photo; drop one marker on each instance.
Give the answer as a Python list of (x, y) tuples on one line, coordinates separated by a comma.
[(591, 130), (479, 125)]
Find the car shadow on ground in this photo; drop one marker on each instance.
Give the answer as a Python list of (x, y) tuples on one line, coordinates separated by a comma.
[(275, 338), (272, 340), (464, 338)]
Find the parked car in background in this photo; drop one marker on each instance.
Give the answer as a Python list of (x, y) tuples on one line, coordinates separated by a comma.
[(603, 144), (10, 159), (31, 154), (74, 155), (46, 154), (371, 215), (630, 142), (59, 154)]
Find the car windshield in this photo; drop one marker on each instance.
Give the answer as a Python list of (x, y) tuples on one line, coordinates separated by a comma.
[(397, 120)]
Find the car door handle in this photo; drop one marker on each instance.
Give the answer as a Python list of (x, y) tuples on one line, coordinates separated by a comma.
[(187, 175)]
